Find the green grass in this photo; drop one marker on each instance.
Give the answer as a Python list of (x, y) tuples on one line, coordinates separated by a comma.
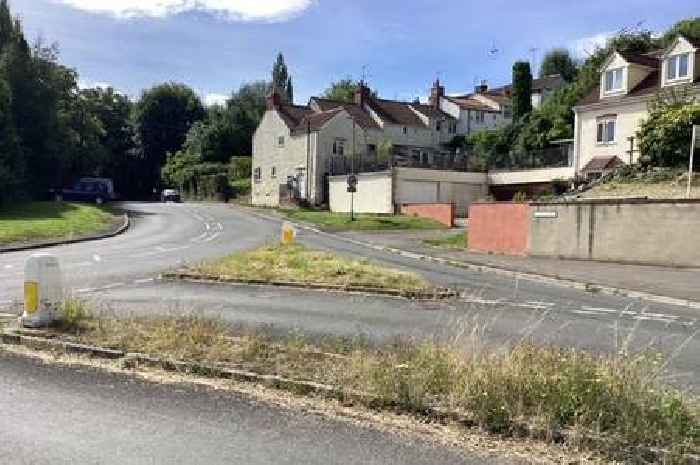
[(342, 221), (453, 241), (38, 221), (299, 264), (523, 390)]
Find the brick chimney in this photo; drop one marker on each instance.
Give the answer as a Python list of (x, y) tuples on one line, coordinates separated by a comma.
[(273, 100), (436, 93), (361, 94)]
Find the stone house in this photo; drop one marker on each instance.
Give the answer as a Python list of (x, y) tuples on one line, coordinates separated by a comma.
[(607, 120)]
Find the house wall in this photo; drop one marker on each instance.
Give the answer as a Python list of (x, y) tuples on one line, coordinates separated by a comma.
[(374, 194), (441, 212), (501, 228), (649, 232), (266, 154), (630, 116)]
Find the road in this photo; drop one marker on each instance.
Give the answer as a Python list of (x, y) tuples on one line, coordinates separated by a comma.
[(55, 415), (119, 272)]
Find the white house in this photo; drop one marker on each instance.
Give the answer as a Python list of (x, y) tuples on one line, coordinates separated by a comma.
[(608, 119)]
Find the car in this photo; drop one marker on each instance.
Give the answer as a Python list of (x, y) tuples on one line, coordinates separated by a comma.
[(95, 190), (170, 195)]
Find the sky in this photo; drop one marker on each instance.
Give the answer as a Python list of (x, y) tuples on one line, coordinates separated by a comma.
[(402, 45)]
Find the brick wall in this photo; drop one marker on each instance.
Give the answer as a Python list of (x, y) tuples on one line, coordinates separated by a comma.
[(442, 212), (502, 228)]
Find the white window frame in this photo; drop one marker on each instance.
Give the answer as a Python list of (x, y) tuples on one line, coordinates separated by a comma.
[(339, 147), (273, 172), (257, 174), (280, 141), (673, 63), (605, 136), (613, 73)]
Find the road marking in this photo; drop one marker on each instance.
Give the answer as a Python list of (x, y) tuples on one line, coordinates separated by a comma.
[(96, 258), (201, 236), (8, 267), (84, 264), (112, 286), (143, 281), (85, 290)]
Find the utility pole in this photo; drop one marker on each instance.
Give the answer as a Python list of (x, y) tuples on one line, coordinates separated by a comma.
[(352, 194), (307, 187)]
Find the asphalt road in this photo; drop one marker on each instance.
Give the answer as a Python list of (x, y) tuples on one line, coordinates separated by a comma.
[(55, 415), (497, 309)]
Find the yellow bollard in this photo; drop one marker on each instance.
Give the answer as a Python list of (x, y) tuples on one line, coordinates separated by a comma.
[(288, 234), (43, 290)]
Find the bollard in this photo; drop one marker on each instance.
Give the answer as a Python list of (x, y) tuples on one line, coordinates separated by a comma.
[(43, 290), (288, 234)]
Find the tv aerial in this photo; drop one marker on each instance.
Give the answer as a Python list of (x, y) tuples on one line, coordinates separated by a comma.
[(494, 51)]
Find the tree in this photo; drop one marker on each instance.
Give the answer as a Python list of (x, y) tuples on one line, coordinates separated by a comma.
[(344, 90), (11, 161), (665, 136), (164, 115), (281, 80), (559, 61), (522, 90), (690, 28)]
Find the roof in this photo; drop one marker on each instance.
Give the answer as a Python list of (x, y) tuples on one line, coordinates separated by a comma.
[(468, 103), (602, 163), (315, 121), (554, 81), (395, 112), (327, 104), (644, 60), (430, 111), (293, 114)]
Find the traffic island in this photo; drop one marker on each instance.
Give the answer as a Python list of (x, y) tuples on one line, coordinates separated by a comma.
[(612, 406), (293, 265)]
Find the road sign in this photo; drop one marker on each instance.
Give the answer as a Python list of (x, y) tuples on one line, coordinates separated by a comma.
[(352, 183)]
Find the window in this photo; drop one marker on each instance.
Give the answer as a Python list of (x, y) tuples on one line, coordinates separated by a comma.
[(405, 130), (438, 125), (494, 117), (280, 141), (452, 128), (257, 174), (677, 67), (606, 130), (273, 172), (339, 147), (613, 80)]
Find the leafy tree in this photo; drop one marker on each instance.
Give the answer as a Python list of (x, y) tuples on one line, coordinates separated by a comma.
[(522, 90), (665, 136), (281, 80), (164, 115), (344, 90), (559, 61), (690, 28), (11, 160)]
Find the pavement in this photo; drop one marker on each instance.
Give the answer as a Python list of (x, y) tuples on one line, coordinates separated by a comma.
[(678, 283), (57, 415)]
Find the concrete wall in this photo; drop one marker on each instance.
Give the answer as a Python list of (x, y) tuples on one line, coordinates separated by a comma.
[(373, 193), (499, 228), (441, 212), (652, 232), (539, 175), (417, 185)]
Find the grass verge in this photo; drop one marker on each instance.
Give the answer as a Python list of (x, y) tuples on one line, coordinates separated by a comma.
[(37, 221), (557, 394), (296, 263), (452, 241), (342, 221)]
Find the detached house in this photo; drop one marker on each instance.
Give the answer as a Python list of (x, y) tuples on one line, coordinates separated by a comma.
[(608, 119)]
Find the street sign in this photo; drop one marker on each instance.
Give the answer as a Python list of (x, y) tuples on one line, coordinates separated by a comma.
[(352, 183)]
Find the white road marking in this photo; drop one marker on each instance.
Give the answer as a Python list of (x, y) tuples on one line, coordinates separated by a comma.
[(96, 258), (200, 237), (8, 267), (208, 226), (112, 286), (143, 281), (85, 290)]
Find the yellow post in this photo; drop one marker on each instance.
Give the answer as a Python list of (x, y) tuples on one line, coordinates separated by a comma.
[(288, 234)]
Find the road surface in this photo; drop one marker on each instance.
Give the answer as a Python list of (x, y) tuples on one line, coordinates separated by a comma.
[(55, 415), (120, 272)]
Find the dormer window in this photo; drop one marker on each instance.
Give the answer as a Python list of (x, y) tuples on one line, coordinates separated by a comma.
[(677, 67), (613, 80)]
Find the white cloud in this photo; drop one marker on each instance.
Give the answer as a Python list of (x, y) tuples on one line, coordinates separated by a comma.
[(83, 84), (585, 46), (236, 10), (215, 99)]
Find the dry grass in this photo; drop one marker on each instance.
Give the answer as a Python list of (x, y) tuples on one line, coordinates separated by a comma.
[(508, 391), (299, 264)]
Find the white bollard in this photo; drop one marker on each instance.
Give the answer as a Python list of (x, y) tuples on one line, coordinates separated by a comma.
[(43, 290)]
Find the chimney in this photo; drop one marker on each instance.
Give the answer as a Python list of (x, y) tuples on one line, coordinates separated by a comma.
[(481, 88), (361, 94), (436, 93), (273, 100)]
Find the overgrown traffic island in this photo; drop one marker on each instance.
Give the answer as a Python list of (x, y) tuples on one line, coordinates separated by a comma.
[(329, 221), (296, 265), (611, 405), (39, 222)]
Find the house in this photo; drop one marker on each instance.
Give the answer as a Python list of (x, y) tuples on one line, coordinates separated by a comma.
[(607, 120), (296, 148)]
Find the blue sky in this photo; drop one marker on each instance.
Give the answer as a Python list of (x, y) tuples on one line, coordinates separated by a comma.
[(215, 45)]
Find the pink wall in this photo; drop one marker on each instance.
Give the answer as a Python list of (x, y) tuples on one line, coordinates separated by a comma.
[(499, 227), (442, 212)]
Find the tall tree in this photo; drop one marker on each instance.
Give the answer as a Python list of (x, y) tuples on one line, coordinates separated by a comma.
[(343, 90), (559, 61), (11, 161), (281, 80), (164, 115), (522, 89), (290, 90), (690, 28)]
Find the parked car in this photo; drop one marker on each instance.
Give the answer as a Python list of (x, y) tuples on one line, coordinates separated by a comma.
[(96, 190), (170, 195)]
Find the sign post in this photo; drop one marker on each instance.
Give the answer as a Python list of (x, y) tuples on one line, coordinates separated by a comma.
[(352, 188), (694, 143)]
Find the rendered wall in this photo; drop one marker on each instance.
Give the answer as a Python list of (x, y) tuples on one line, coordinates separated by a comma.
[(373, 194), (499, 227)]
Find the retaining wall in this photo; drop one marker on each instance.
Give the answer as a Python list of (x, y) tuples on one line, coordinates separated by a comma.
[(441, 212), (499, 227)]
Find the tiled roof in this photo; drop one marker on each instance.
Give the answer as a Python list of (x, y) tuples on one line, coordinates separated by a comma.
[(315, 121), (293, 114), (430, 111), (649, 85), (468, 103), (395, 112), (644, 60), (602, 163), (361, 117), (327, 104), (555, 81)]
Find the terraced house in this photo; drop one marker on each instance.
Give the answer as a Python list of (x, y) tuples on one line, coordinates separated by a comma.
[(608, 119)]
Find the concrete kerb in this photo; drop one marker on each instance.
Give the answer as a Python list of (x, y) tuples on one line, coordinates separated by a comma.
[(122, 228), (435, 294), (132, 360), (541, 278)]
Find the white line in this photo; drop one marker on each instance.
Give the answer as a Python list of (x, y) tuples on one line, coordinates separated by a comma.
[(143, 281), (212, 237), (85, 290), (601, 309), (208, 226), (84, 264), (200, 237)]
